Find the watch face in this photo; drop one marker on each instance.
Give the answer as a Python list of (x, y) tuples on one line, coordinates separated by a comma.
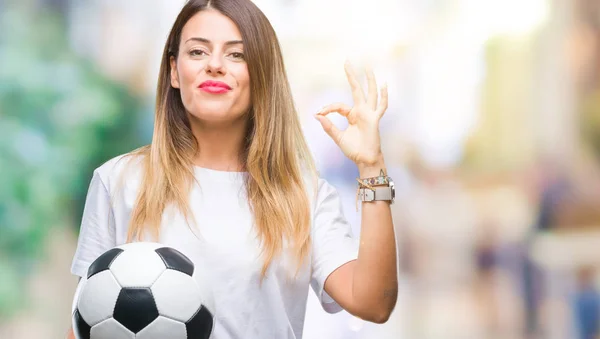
[(393, 189)]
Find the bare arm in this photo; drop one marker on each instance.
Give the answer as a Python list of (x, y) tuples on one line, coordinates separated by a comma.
[(368, 286)]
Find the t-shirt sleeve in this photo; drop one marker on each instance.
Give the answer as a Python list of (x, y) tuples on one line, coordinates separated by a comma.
[(333, 243), (97, 232)]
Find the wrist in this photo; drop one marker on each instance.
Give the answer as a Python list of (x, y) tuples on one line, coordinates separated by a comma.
[(368, 170)]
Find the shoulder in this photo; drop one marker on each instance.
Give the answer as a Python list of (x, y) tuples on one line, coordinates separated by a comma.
[(126, 167)]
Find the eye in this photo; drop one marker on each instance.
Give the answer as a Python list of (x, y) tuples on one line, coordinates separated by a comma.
[(197, 52), (237, 55)]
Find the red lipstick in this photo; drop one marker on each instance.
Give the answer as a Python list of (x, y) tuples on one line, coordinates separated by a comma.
[(214, 87)]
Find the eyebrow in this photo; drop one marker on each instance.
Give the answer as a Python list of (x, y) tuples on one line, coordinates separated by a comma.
[(227, 43)]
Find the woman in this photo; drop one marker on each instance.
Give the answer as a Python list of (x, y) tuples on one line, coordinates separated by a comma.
[(228, 180)]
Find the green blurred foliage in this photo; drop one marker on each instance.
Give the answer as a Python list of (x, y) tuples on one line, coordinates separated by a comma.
[(59, 119)]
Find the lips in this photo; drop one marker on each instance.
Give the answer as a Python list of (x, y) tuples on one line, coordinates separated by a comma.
[(214, 87)]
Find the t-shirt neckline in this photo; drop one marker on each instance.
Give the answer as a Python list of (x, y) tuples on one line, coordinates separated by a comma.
[(217, 175)]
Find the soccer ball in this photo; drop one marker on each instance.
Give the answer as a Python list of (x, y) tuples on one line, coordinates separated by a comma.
[(143, 290)]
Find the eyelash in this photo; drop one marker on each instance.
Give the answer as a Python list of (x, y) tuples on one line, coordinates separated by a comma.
[(197, 52)]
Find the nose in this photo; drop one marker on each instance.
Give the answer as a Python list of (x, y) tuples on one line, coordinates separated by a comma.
[(215, 65)]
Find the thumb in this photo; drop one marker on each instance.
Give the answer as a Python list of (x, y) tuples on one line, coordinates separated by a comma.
[(329, 128)]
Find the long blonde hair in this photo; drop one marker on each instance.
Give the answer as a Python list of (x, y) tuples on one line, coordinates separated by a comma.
[(275, 156)]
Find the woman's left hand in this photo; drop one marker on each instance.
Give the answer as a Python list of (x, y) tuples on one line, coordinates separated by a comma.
[(360, 142)]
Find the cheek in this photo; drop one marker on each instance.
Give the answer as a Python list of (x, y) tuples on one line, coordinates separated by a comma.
[(246, 91), (243, 79), (188, 72)]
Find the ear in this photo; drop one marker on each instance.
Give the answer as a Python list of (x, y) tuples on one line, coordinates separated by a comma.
[(174, 74)]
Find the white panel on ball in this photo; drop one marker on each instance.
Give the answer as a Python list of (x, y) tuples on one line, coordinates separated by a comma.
[(162, 328), (80, 287), (206, 291), (170, 299), (98, 298), (111, 329), (137, 266)]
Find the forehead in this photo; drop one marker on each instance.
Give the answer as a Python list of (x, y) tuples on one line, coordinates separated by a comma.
[(212, 25)]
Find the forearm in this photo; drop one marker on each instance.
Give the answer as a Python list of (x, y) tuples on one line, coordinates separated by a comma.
[(375, 276)]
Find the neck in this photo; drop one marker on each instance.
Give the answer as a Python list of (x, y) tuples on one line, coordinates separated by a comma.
[(220, 145)]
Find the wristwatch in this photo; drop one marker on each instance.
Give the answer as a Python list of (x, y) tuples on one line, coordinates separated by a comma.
[(387, 193)]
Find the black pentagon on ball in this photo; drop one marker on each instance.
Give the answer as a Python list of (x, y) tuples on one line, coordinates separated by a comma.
[(135, 308), (175, 260), (102, 263), (80, 326), (201, 324)]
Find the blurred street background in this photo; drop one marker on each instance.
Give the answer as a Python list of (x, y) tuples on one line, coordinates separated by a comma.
[(492, 136)]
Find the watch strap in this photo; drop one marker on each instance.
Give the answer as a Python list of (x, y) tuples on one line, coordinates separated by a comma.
[(375, 194)]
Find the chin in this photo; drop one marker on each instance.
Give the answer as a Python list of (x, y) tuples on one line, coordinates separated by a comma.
[(215, 114)]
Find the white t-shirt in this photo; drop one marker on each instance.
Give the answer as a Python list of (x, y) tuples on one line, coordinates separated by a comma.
[(229, 252)]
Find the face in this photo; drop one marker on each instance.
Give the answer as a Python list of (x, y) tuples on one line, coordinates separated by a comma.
[(210, 70)]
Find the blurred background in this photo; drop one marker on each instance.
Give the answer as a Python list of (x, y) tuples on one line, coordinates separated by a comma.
[(492, 137)]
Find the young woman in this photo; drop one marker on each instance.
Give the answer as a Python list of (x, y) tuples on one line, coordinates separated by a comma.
[(228, 180)]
